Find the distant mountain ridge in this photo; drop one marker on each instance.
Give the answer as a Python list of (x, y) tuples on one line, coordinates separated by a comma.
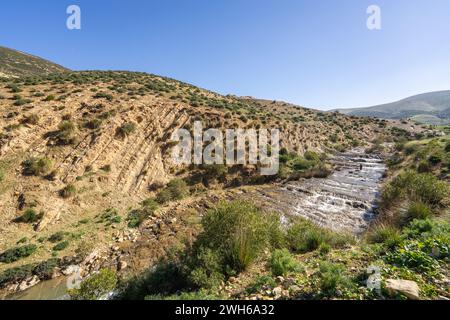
[(428, 108), (15, 64)]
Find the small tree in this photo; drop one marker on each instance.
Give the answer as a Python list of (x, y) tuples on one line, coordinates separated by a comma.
[(96, 286)]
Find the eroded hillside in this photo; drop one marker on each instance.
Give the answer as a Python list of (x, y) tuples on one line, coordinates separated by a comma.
[(80, 150)]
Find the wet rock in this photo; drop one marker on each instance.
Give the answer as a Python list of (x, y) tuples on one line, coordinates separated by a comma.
[(28, 283), (70, 270)]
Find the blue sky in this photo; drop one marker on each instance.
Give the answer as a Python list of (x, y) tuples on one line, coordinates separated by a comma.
[(314, 53)]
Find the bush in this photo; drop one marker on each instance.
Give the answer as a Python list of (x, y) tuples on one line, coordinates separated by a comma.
[(15, 254), (312, 156), (30, 216), (36, 166), (65, 133), (238, 231), (103, 95), (137, 216), (281, 263), (96, 286), (207, 269), (166, 277), (49, 98), (332, 278), (44, 270), (411, 256), (16, 274), (423, 167), (304, 236), (176, 189), (418, 210), (68, 191), (385, 234), (260, 283), (57, 237), (125, 130), (61, 246), (423, 187), (92, 124)]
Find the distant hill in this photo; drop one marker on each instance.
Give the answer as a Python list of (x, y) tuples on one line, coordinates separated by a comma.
[(14, 64), (428, 108)]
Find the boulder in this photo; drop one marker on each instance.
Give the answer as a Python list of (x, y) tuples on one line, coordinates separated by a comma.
[(406, 287)]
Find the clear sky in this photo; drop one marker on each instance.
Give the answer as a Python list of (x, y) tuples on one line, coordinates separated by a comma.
[(314, 53)]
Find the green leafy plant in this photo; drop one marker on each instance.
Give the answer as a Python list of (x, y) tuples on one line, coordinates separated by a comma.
[(282, 263)]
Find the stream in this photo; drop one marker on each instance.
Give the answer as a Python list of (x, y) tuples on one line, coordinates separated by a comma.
[(344, 201)]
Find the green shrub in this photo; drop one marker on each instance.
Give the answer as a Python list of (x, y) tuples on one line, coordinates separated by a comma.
[(61, 246), (137, 216), (312, 156), (110, 216), (423, 167), (282, 263), (68, 191), (57, 237), (423, 187), (15, 254), (176, 189), (418, 210), (44, 270), (96, 286), (324, 248), (16, 274), (125, 130), (301, 164), (30, 216), (207, 269), (36, 166), (332, 278), (215, 171), (435, 158), (93, 124), (49, 98), (304, 236), (166, 277), (238, 231), (150, 203), (260, 283), (65, 133), (411, 256), (103, 95), (386, 234)]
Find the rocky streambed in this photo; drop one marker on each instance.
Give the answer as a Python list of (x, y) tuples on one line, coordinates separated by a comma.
[(344, 201)]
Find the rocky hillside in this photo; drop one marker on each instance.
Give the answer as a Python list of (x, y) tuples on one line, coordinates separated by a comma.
[(75, 144), (429, 108), (14, 64)]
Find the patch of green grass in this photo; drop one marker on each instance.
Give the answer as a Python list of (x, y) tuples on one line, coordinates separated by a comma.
[(282, 263)]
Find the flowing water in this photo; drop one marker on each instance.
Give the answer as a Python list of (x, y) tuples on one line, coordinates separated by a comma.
[(54, 289), (343, 201)]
